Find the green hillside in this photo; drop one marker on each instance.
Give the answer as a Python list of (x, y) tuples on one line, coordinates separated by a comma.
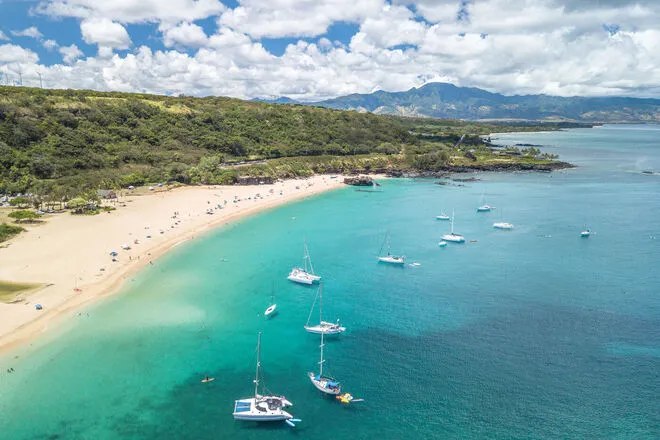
[(65, 142)]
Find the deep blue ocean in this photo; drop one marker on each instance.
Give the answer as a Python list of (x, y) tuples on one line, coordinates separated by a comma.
[(530, 333)]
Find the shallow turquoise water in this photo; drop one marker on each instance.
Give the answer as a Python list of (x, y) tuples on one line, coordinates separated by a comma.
[(530, 333)]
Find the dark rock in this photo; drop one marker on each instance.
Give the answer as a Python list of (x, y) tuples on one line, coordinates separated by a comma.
[(359, 181)]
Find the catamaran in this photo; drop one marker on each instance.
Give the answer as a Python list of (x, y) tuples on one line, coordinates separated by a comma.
[(305, 274), (452, 236), (323, 327), (389, 258), (325, 384), (262, 408)]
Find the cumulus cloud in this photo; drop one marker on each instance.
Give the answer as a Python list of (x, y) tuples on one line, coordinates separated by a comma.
[(31, 32), (70, 53), (295, 18), (133, 11), (184, 34), (105, 32), (50, 44), (11, 53), (531, 46)]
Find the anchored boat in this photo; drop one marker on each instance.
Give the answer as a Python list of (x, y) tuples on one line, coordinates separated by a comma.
[(305, 274), (323, 327), (262, 408), (452, 236)]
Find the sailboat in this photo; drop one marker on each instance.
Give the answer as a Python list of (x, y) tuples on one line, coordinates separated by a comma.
[(272, 308), (323, 327), (262, 408), (484, 207), (305, 274), (325, 384), (442, 216), (452, 236), (502, 225), (389, 258)]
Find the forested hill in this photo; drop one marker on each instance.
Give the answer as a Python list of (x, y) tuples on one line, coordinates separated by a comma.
[(61, 142)]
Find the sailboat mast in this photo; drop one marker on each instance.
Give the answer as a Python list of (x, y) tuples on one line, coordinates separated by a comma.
[(321, 361), (452, 222), (256, 374)]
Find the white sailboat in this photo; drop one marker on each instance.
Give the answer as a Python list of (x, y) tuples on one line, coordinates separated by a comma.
[(389, 258), (262, 408), (305, 274), (484, 207), (502, 225), (272, 308), (452, 236), (325, 384), (323, 327), (442, 216)]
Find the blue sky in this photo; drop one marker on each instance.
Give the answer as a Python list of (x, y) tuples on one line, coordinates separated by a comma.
[(314, 49)]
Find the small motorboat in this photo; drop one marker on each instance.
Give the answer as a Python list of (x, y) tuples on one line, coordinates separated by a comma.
[(207, 379), (442, 243), (502, 225), (442, 216), (271, 310), (586, 233)]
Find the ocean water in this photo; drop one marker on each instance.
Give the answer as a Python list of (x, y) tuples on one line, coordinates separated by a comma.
[(529, 333)]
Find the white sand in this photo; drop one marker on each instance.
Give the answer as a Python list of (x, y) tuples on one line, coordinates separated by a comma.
[(68, 252)]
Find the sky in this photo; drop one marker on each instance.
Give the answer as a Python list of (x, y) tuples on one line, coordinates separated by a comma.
[(317, 49)]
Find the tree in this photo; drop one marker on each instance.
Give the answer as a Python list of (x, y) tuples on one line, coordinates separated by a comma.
[(77, 205), (24, 216), (20, 202)]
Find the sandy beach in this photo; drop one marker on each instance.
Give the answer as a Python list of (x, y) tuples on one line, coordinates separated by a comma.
[(70, 255)]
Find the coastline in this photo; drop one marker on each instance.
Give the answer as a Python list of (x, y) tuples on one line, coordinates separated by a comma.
[(70, 254)]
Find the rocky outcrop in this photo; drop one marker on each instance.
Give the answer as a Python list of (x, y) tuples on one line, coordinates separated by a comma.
[(359, 181)]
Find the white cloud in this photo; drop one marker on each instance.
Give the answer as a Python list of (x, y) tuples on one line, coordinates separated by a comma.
[(133, 11), (530, 46), (70, 53), (3, 36), (184, 34), (105, 33), (31, 32), (295, 18), (50, 44), (11, 53)]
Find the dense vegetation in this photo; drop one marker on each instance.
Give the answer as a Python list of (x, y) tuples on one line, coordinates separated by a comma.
[(63, 143), (8, 231)]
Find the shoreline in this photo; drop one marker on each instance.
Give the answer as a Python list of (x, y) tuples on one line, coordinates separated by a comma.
[(74, 281)]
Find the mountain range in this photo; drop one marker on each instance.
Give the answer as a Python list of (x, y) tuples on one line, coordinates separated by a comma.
[(444, 100)]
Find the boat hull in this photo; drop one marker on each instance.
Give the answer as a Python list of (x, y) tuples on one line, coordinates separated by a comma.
[(271, 310), (325, 328), (453, 238), (502, 225), (321, 385), (263, 409), (392, 260)]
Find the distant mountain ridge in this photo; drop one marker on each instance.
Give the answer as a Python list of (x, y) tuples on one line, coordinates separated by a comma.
[(444, 100)]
